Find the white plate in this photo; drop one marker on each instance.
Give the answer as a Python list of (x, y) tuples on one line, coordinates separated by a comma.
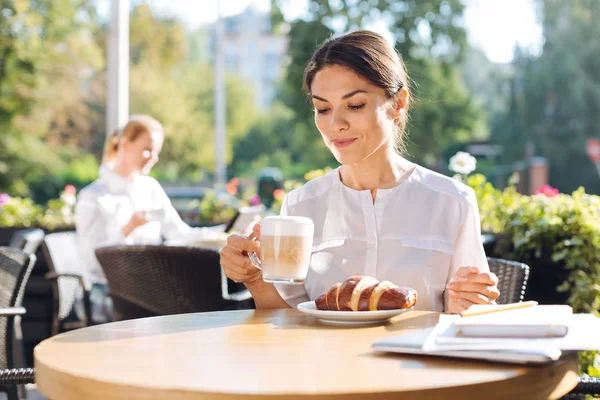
[(349, 317)]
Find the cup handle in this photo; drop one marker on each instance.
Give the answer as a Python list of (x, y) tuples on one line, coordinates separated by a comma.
[(254, 258)]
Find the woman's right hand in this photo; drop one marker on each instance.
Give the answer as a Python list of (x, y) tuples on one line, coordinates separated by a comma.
[(235, 261), (137, 219)]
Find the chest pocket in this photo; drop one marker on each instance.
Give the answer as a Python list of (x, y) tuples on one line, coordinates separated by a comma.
[(325, 255), (420, 253), (439, 245)]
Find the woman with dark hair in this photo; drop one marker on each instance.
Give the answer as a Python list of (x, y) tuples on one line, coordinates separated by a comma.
[(378, 214)]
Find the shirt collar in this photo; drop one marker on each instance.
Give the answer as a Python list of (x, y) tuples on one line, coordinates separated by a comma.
[(116, 182)]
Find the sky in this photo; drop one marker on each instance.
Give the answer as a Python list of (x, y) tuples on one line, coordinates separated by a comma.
[(495, 26)]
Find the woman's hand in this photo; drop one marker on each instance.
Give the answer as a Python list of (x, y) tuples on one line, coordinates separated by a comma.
[(235, 261), (137, 219), (470, 286)]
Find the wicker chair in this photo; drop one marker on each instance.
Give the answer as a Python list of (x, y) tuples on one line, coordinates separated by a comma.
[(161, 280), (27, 240), (60, 251), (512, 282), (15, 268), (512, 279)]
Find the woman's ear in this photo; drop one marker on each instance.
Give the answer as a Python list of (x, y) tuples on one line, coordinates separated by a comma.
[(400, 103), (123, 143)]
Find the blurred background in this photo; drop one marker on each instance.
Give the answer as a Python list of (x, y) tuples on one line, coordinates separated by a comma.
[(506, 81)]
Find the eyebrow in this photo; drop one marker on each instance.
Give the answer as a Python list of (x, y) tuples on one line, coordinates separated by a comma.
[(344, 97)]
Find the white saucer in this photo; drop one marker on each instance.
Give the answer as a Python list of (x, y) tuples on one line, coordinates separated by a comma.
[(349, 318)]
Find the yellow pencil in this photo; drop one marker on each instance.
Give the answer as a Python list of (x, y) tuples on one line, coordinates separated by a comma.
[(492, 309)]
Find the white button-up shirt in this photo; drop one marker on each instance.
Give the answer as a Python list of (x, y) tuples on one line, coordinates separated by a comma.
[(105, 206), (417, 234)]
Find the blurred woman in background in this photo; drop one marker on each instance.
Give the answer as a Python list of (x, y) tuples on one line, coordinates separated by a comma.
[(124, 205)]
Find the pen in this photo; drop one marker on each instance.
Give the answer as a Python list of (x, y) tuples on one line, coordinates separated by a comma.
[(492, 309)]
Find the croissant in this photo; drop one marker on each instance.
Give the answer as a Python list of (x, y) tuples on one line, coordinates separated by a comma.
[(364, 293)]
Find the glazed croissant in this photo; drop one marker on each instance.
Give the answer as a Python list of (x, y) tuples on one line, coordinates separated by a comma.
[(363, 293)]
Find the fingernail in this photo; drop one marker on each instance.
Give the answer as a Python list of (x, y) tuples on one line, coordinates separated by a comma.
[(451, 285), (452, 293)]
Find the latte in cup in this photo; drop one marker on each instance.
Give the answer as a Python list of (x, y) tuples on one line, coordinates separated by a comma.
[(285, 249)]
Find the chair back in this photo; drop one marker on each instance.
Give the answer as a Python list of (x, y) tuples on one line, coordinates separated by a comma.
[(512, 279), (243, 218), (60, 251), (161, 280), (15, 269), (27, 240)]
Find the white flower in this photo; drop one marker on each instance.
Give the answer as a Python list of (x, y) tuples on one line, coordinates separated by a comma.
[(463, 163), (68, 199)]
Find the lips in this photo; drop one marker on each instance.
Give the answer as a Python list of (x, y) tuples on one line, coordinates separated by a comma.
[(343, 142)]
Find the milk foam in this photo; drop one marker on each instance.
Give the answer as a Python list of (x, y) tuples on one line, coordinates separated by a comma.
[(287, 226)]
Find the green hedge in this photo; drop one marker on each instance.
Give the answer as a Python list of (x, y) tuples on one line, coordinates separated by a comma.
[(558, 236)]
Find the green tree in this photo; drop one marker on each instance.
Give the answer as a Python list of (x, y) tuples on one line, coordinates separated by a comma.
[(555, 98), (431, 41), (43, 44)]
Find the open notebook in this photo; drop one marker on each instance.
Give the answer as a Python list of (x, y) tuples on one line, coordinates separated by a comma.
[(447, 340), (532, 322), (412, 343)]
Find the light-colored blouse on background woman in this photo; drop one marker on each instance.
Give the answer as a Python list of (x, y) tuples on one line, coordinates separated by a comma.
[(416, 234), (105, 206)]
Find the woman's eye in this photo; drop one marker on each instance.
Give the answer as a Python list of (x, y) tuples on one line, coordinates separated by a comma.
[(322, 110), (356, 107)]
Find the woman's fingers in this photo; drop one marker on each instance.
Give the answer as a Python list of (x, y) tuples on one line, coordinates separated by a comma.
[(474, 298), (242, 243)]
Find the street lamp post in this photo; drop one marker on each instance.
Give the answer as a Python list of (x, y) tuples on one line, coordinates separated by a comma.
[(117, 80), (219, 112)]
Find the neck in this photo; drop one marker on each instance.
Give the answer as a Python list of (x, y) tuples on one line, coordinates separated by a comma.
[(124, 171), (381, 170)]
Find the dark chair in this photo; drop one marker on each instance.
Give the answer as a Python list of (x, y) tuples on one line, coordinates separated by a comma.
[(148, 281), (243, 218), (512, 282), (512, 279), (66, 274), (15, 268), (27, 240), (586, 387)]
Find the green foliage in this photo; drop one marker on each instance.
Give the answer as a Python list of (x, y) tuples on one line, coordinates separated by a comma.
[(24, 213), (43, 45), (431, 43), (557, 235), (555, 98), (19, 212), (215, 208)]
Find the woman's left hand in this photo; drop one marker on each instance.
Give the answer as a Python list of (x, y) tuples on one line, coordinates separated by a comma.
[(471, 286)]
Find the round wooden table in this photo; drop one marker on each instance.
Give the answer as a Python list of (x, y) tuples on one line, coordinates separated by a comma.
[(274, 354)]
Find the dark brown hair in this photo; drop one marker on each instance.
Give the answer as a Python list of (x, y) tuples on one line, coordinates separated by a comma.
[(369, 55), (135, 127)]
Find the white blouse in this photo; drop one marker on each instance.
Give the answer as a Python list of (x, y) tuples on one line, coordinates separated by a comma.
[(417, 234), (105, 206)]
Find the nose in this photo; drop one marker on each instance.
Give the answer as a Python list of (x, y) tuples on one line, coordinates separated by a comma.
[(338, 121)]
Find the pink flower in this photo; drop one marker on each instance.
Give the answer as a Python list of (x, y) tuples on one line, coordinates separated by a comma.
[(70, 189), (547, 191), (234, 181), (278, 194), (231, 189), (255, 200), (4, 199)]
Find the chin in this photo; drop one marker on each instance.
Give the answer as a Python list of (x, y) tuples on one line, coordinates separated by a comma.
[(346, 158)]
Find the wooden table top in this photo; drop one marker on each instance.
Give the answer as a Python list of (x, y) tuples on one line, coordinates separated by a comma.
[(281, 354)]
